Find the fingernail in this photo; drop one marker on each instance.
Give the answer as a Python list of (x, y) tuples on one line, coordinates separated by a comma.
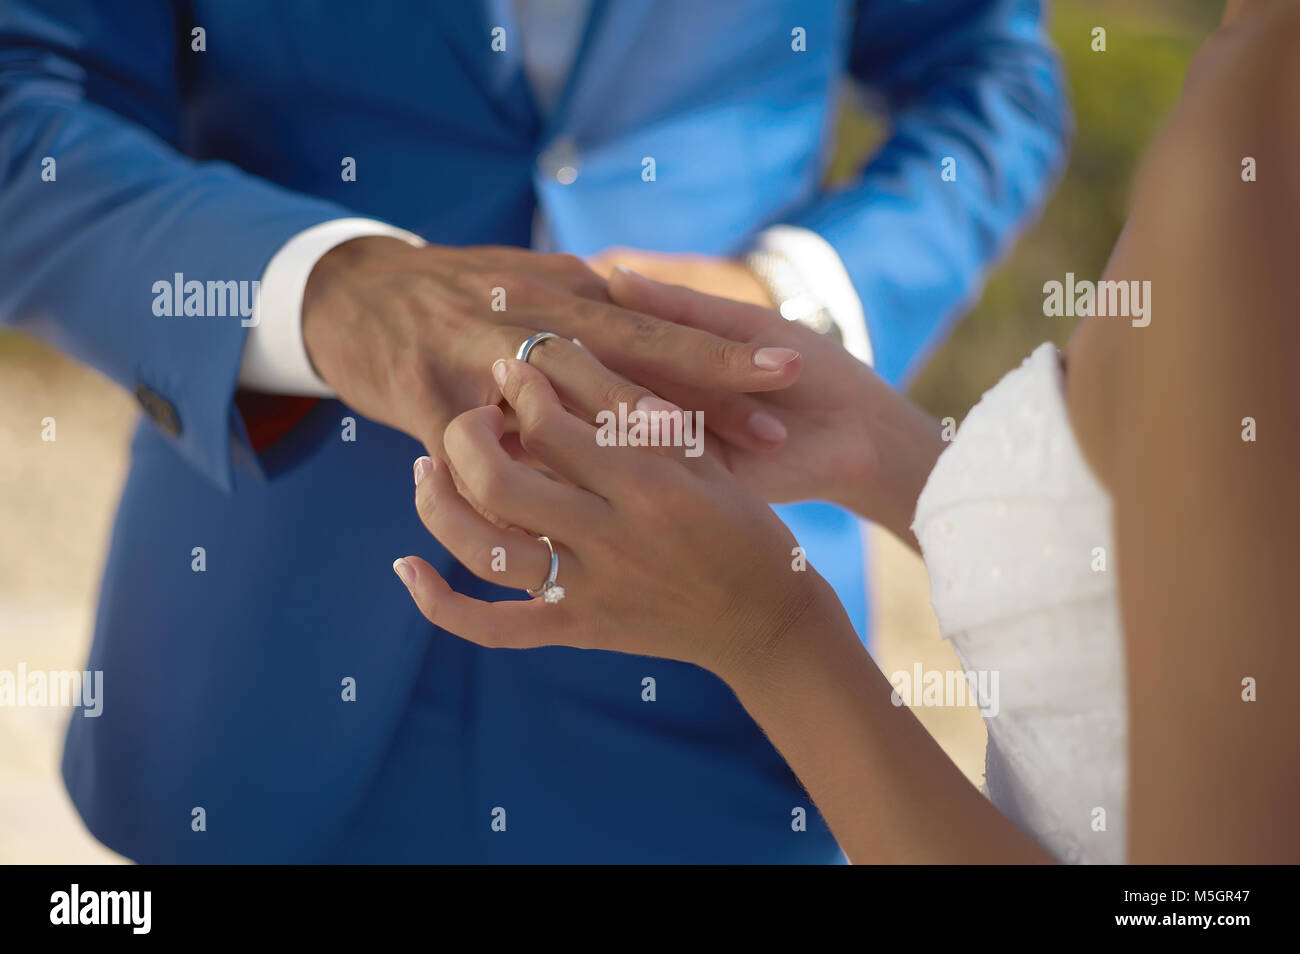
[(405, 572), (500, 372), (422, 467), (766, 427), (774, 359), (649, 404), (627, 271)]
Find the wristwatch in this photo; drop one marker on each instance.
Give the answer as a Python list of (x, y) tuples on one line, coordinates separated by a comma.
[(794, 299)]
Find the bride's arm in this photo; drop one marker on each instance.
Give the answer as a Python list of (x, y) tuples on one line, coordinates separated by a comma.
[(670, 558), (1206, 518), (888, 791)]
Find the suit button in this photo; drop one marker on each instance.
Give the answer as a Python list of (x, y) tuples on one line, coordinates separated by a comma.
[(160, 410), (561, 161)]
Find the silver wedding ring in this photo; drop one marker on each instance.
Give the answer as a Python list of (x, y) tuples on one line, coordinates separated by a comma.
[(526, 348), (550, 591)]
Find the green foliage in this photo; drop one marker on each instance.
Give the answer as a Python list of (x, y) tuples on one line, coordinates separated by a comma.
[(1120, 98)]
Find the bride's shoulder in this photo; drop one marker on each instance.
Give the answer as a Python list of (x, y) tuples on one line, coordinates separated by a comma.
[(1213, 241)]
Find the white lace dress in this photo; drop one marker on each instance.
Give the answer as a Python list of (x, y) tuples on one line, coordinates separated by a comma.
[(1016, 534)]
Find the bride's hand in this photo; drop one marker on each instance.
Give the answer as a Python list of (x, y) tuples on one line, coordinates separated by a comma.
[(659, 554), (851, 438)]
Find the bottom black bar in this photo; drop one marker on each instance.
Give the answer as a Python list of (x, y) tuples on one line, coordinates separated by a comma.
[(208, 903)]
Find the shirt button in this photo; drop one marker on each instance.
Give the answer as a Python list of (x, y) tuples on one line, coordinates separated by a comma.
[(560, 161), (159, 410)]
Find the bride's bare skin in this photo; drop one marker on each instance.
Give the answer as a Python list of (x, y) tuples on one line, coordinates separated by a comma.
[(679, 561), (1206, 522)]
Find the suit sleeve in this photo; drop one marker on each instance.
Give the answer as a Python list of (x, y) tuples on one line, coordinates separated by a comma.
[(972, 81), (98, 205)]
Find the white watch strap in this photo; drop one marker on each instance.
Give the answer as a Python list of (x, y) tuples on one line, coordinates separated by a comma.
[(823, 274)]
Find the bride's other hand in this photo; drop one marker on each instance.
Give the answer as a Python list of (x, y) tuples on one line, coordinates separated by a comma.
[(656, 556), (849, 437)]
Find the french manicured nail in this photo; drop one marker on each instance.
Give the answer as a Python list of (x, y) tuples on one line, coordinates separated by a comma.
[(765, 427), (500, 372), (773, 359), (422, 467), (649, 404), (405, 572), (627, 271)]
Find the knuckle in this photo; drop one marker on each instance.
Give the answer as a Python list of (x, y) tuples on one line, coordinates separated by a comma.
[(524, 389), (645, 329), (431, 507), (717, 353), (625, 394), (614, 393), (455, 433)]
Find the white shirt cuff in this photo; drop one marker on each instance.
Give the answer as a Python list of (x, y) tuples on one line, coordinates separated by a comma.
[(819, 265), (275, 357)]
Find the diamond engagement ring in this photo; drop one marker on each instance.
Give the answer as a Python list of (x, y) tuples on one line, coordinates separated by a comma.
[(550, 591)]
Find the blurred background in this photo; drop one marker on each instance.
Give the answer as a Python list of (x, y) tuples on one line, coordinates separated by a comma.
[(57, 499)]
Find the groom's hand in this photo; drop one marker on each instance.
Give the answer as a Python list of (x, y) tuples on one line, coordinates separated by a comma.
[(407, 336)]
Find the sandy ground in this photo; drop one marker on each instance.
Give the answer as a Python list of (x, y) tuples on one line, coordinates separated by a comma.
[(56, 507)]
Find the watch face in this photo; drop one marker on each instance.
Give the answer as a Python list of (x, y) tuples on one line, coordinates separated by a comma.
[(800, 308), (823, 324), (811, 313)]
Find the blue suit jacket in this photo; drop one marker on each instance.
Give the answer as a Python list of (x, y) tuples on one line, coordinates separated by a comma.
[(223, 687)]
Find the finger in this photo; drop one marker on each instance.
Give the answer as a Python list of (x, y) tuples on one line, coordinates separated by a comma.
[(504, 555), (738, 419), (574, 450), (508, 489), (509, 624), (639, 344), (737, 320), (587, 386)]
